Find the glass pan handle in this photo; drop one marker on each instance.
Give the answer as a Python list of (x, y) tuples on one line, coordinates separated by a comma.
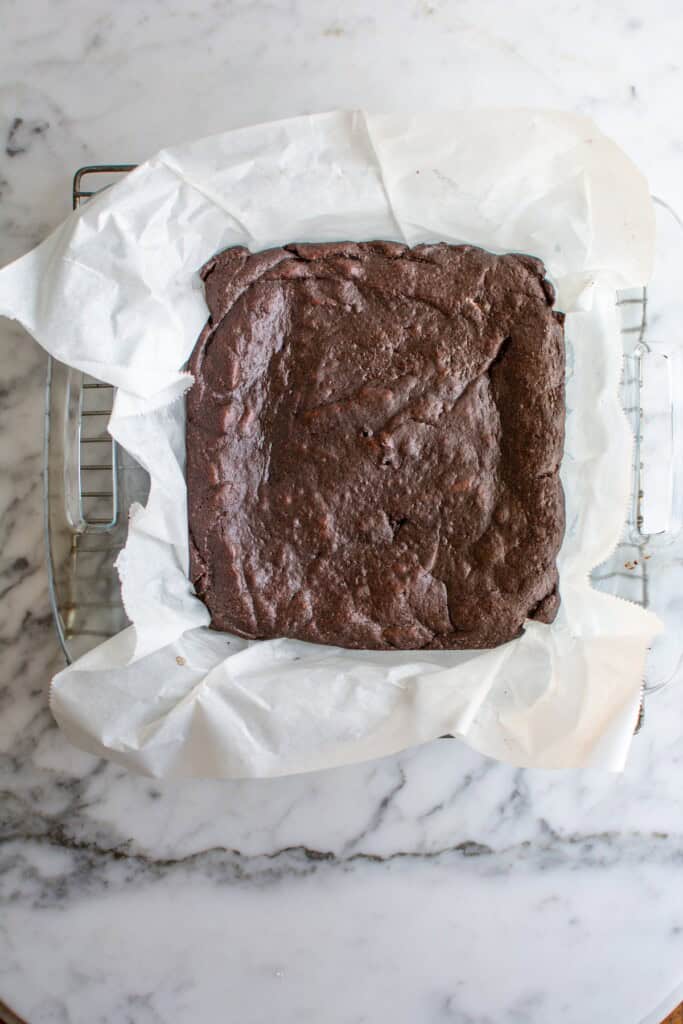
[(656, 402)]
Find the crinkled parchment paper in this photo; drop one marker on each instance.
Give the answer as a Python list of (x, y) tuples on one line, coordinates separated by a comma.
[(115, 292)]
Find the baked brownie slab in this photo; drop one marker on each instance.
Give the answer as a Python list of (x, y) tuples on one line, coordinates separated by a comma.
[(373, 443)]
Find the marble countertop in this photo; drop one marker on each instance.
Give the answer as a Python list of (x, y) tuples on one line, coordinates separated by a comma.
[(432, 886)]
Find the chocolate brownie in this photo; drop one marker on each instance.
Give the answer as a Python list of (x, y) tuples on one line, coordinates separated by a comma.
[(373, 443)]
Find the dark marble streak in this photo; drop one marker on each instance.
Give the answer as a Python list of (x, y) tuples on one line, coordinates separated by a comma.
[(101, 858), (379, 811), (21, 135)]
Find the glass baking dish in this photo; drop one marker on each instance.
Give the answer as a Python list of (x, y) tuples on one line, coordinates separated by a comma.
[(90, 483)]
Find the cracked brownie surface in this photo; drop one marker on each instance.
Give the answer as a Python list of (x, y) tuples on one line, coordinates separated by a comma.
[(373, 444)]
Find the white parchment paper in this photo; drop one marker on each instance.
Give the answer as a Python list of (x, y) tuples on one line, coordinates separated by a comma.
[(115, 292)]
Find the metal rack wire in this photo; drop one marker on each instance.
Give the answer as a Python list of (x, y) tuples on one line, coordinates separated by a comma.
[(98, 499), (89, 485)]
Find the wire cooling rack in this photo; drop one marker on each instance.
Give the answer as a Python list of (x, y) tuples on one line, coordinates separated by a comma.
[(90, 483)]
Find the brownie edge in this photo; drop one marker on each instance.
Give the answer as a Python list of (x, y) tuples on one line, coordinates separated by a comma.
[(373, 439)]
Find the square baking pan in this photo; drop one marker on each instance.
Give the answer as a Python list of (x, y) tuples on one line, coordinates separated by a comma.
[(90, 482)]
